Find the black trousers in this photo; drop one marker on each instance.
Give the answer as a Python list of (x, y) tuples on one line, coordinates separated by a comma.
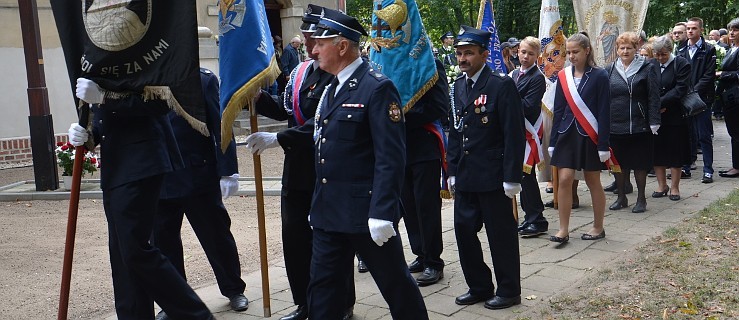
[(531, 200), (141, 274), (333, 261), (495, 211), (212, 225), (731, 116), (422, 214)]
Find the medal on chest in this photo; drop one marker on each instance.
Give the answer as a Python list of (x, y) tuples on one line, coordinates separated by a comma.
[(480, 103)]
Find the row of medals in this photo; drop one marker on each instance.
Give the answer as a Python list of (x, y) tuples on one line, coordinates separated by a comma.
[(482, 109)]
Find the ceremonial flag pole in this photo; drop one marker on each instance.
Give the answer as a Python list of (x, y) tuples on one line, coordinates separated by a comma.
[(247, 64), (486, 21)]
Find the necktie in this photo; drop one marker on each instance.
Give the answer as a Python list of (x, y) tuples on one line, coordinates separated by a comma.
[(470, 83), (520, 74), (662, 68)]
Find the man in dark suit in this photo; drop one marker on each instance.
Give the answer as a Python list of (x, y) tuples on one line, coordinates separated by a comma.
[(305, 87), (138, 148), (420, 195), (196, 191), (446, 52), (486, 147), (360, 161), (702, 57), (290, 57), (531, 87)]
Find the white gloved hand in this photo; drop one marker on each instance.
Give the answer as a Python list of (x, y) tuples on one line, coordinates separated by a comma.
[(654, 128), (604, 155), (229, 185), (511, 188), (381, 230), (89, 91), (259, 141), (551, 151), (77, 135), (451, 182)]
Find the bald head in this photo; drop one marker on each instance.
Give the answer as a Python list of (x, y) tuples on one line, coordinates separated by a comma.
[(295, 42)]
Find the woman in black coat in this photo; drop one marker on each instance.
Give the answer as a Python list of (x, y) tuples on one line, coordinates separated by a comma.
[(728, 90), (635, 116), (672, 143)]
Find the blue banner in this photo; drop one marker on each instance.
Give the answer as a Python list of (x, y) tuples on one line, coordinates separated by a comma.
[(247, 58), (401, 49), (486, 21)]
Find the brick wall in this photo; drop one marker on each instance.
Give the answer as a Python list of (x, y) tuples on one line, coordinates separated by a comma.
[(17, 151)]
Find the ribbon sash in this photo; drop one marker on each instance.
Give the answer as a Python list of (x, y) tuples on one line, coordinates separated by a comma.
[(298, 79), (583, 115), (533, 153)]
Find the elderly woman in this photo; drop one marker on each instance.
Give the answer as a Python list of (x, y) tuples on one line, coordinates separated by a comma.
[(634, 116), (672, 143), (728, 90)]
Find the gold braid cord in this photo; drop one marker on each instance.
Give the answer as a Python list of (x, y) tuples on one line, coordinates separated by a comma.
[(244, 98), (429, 84)]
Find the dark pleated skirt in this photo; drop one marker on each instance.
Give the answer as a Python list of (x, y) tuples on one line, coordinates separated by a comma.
[(634, 151), (576, 152), (672, 146)]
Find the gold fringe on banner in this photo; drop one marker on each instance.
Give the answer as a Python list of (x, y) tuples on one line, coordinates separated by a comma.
[(426, 87), (445, 194), (244, 97)]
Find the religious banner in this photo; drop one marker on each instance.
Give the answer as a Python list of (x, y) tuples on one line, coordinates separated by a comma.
[(143, 47), (553, 57), (247, 59), (401, 50), (486, 21), (604, 20)]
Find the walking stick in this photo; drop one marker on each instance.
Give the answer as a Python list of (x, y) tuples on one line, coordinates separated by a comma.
[(74, 201), (260, 219), (555, 186)]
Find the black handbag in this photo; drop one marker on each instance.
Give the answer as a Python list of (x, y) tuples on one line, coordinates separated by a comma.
[(730, 96), (692, 102)]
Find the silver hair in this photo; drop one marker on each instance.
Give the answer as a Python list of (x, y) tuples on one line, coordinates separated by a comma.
[(662, 43), (733, 24)]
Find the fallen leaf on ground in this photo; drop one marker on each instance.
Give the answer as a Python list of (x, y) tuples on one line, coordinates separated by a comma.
[(531, 297)]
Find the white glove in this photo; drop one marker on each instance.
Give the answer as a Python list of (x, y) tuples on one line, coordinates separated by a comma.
[(511, 188), (77, 135), (655, 128), (381, 230), (604, 155), (229, 185), (551, 151), (451, 182), (259, 141), (89, 91)]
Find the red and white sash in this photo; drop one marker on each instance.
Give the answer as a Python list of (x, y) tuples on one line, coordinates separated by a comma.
[(533, 153), (297, 82), (584, 117)]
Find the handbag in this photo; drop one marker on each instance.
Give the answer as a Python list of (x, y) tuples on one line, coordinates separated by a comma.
[(730, 96), (692, 102)]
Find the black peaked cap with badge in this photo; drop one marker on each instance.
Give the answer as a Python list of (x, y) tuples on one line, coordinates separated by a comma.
[(449, 34), (311, 17), (471, 36), (334, 23)]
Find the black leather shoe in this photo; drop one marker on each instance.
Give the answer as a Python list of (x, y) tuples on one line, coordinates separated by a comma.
[(161, 316), (301, 313), (707, 178), (549, 204), (239, 303), (429, 277), (499, 302), (415, 266), (611, 187), (640, 206), (619, 204), (533, 230), (361, 267), (523, 225), (348, 314), (468, 299)]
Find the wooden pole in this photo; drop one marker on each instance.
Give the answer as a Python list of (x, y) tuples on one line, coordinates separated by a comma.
[(261, 220), (74, 201), (515, 208), (555, 186)]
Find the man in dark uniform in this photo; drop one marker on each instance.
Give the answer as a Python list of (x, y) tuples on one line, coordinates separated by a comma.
[(531, 87), (306, 84), (421, 187), (486, 147), (138, 148), (446, 52), (196, 191), (360, 161)]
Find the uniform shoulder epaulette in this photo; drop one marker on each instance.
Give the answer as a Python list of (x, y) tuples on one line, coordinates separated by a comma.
[(205, 71), (376, 74)]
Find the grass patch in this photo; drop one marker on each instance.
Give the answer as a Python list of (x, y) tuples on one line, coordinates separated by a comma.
[(691, 271)]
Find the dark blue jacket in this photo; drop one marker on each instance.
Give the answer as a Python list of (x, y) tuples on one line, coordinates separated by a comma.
[(433, 105), (703, 69), (205, 164), (290, 59)]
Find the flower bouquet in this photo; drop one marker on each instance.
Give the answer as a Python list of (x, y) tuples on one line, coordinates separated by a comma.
[(65, 159), (720, 53), (452, 73)]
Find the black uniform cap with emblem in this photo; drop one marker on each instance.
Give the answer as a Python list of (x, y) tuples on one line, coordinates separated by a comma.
[(334, 23), (311, 17), (447, 35), (471, 36)]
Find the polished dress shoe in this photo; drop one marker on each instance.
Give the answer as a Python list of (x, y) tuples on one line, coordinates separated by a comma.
[(499, 302), (550, 204), (707, 178), (640, 206), (161, 316), (619, 204), (415, 266), (348, 314), (239, 302), (429, 277), (301, 313), (468, 299), (660, 194), (523, 225), (361, 267), (533, 230), (610, 187)]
